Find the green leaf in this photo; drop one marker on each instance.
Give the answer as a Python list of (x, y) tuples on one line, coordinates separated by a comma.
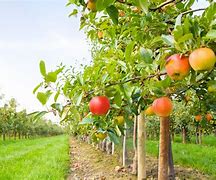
[(113, 137), (178, 21), (113, 13), (37, 87), (56, 95), (57, 106), (80, 79), (104, 77), (168, 39), (129, 50), (87, 121), (39, 115), (51, 77), (118, 131), (42, 68), (211, 34), (146, 55), (122, 64), (74, 12), (186, 37), (65, 112), (144, 4), (188, 4), (42, 97), (178, 33), (100, 5), (118, 99), (66, 87), (108, 2), (210, 12), (59, 70), (79, 99), (75, 113)]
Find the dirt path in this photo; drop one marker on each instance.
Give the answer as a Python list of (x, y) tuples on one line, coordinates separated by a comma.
[(87, 163)]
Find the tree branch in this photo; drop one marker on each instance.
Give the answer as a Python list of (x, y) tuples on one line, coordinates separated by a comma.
[(192, 10), (135, 78), (164, 4), (124, 2)]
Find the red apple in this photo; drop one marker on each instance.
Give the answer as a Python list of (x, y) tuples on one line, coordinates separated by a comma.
[(177, 67), (99, 105), (209, 117), (198, 117), (162, 106)]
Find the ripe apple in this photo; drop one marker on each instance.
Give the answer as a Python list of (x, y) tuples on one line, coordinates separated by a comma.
[(101, 135), (100, 34), (91, 5), (121, 13), (198, 117), (202, 59), (149, 111), (120, 120), (209, 117), (177, 67), (162, 106), (99, 105)]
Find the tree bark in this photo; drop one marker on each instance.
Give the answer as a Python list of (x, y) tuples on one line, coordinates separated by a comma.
[(15, 135), (141, 149), (109, 147), (171, 169), (113, 148), (135, 160), (103, 145), (3, 136), (200, 135), (124, 152), (184, 133), (173, 136), (163, 149), (197, 135)]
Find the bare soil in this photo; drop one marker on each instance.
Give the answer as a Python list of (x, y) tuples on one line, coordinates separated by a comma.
[(89, 163)]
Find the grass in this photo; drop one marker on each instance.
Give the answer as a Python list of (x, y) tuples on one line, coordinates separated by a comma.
[(200, 157), (206, 140), (38, 159)]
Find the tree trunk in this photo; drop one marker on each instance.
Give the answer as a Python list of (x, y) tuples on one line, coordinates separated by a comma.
[(100, 145), (109, 147), (19, 135), (103, 148), (200, 135), (113, 148), (197, 135), (184, 135), (3, 136), (163, 149), (171, 169), (141, 149), (173, 136), (124, 152), (15, 135), (135, 160)]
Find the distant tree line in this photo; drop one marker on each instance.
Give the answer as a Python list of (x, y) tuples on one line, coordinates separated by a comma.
[(19, 125)]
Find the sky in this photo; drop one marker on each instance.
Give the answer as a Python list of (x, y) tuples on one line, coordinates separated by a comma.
[(31, 30)]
